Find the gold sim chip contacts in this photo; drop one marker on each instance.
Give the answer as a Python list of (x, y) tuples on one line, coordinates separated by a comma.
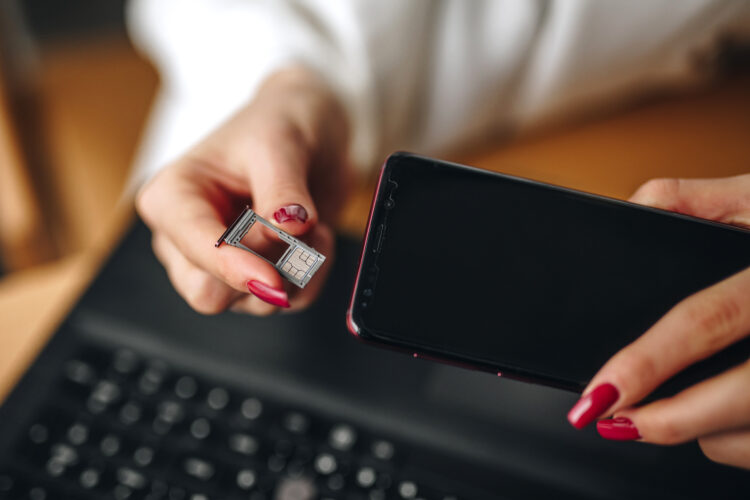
[(298, 263)]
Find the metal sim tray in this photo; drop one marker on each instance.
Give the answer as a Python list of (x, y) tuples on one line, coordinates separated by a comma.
[(298, 263)]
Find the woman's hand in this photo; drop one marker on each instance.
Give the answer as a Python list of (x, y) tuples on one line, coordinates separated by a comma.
[(284, 153), (716, 411)]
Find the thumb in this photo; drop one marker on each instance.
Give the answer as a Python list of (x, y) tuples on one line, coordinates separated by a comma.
[(723, 200), (280, 192)]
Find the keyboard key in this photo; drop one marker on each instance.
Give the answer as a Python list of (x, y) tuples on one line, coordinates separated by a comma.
[(78, 434), (217, 398), (159, 489), (171, 412), (125, 361), (382, 450), (335, 482), (110, 445), (246, 479), (186, 387), (121, 492), (89, 478), (106, 392), (244, 444), (366, 477), (198, 468), (161, 426), (276, 463), (55, 468), (325, 464), (376, 495), (131, 478), (296, 423), (296, 489), (37, 493), (252, 408), (342, 437), (130, 413), (38, 434), (79, 372), (64, 454), (152, 378), (143, 456), (407, 489), (200, 428)]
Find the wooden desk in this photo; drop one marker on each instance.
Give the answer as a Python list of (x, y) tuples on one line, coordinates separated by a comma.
[(706, 135)]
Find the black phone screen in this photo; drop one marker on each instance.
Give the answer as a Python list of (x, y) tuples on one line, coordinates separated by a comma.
[(524, 276)]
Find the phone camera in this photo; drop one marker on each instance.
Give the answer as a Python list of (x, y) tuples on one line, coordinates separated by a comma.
[(367, 292), (389, 203), (363, 304)]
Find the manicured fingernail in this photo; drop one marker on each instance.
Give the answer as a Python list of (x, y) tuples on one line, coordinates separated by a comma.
[(288, 213), (592, 405), (618, 429), (268, 293)]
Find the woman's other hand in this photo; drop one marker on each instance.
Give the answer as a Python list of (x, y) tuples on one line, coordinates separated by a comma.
[(716, 411), (285, 154)]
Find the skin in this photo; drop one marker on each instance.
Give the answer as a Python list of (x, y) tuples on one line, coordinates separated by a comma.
[(716, 411), (287, 146)]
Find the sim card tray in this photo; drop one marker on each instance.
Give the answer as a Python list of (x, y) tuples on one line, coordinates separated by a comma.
[(299, 262)]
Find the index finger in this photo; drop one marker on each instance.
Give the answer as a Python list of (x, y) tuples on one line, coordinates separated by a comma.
[(184, 212), (694, 329)]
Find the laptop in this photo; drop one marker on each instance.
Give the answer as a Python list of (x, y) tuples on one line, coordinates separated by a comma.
[(136, 396)]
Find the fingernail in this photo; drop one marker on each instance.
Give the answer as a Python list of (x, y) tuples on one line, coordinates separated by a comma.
[(268, 293), (618, 429), (592, 405), (290, 213)]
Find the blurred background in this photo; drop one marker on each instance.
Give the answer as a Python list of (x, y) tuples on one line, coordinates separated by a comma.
[(73, 99), (74, 96)]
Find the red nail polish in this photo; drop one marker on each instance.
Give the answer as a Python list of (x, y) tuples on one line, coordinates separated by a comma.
[(268, 293), (618, 429), (592, 405), (288, 213)]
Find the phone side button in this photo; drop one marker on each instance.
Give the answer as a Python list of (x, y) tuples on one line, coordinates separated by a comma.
[(378, 238)]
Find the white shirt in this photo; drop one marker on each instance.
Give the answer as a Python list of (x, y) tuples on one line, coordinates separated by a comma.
[(421, 75)]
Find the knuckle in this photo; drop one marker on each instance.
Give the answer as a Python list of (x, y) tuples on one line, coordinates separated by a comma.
[(253, 305), (202, 297), (715, 318), (263, 310), (226, 271), (715, 449), (660, 189), (144, 201), (639, 371), (661, 429)]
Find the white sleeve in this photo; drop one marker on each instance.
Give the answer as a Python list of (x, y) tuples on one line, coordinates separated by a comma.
[(427, 76), (498, 67), (212, 56)]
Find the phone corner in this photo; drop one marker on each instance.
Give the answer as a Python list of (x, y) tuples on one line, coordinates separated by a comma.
[(351, 325)]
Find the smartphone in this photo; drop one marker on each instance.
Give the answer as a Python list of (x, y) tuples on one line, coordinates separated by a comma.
[(525, 279)]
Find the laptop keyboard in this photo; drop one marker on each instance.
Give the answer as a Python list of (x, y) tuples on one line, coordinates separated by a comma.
[(122, 426)]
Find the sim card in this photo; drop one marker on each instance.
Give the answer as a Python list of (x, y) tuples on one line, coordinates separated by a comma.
[(297, 264)]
